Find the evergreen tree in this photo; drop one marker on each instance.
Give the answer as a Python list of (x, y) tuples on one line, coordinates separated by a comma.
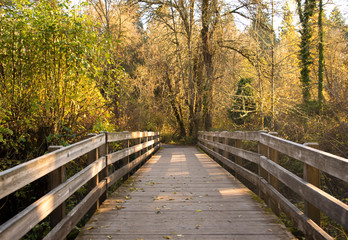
[(244, 104), (336, 17)]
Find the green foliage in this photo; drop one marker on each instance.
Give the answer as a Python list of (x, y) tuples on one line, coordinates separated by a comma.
[(49, 60), (38, 232), (244, 104), (305, 12)]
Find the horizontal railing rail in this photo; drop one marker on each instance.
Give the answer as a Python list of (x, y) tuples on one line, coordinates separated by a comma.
[(269, 173), (105, 168)]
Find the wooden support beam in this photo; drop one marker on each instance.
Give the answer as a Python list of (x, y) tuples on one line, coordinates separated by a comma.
[(263, 150), (312, 175), (238, 144), (92, 156), (274, 156), (55, 178), (103, 151)]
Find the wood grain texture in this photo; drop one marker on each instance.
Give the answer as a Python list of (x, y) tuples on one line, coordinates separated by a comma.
[(248, 155), (129, 167), (121, 136), (252, 135), (306, 225), (63, 228), (183, 194), (116, 156), (20, 224), (331, 206), (326, 162), (23, 174)]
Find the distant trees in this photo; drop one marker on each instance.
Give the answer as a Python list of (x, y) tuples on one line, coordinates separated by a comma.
[(176, 68)]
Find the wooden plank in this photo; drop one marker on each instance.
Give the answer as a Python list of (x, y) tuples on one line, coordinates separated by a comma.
[(55, 178), (116, 156), (331, 206), (215, 204), (63, 228), (326, 162), (129, 167), (92, 156), (23, 174), (245, 173), (252, 135), (312, 175), (121, 136), (306, 225), (248, 155), (20, 224), (273, 155)]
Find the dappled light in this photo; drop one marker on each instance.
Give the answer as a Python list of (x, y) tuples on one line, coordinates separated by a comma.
[(233, 192)]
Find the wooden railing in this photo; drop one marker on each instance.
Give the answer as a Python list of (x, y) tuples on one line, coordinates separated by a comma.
[(101, 173), (226, 147)]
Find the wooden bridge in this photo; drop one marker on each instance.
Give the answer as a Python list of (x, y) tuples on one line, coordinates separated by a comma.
[(180, 192)]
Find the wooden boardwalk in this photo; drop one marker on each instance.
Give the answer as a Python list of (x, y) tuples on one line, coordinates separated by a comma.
[(181, 193)]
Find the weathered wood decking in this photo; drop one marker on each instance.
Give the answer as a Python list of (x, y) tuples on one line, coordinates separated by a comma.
[(181, 193)]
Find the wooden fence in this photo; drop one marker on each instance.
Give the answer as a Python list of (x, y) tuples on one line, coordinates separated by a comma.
[(105, 168), (225, 146)]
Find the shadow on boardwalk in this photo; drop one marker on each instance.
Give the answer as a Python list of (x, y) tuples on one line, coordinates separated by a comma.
[(181, 193)]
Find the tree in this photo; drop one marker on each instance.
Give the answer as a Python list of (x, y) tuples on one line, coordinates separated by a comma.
[(244, 104), (288, 89), (336, 18), (210, 18), (45, 77), (305, 12), (321, 55), (117, 31)]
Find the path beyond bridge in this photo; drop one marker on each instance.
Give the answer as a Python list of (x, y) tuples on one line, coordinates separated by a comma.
[(181, 193)]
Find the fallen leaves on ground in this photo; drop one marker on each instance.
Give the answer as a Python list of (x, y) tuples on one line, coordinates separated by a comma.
[(118, 207)]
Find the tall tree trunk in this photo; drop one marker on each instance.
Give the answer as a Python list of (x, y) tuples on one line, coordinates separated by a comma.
[(176, 110), (272, 67), (305, 15), (208, 9), (321, 56)]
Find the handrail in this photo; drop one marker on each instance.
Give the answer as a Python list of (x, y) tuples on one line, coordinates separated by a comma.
[(15, 178), (331, 164)]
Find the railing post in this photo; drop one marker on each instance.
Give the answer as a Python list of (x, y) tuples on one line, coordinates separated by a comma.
[(226, 142), (103, 151), (92, 156), (312, 176), (146, 140), (55, 178), (263, 150), (128, 158), (238, 144), (274, 156)]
